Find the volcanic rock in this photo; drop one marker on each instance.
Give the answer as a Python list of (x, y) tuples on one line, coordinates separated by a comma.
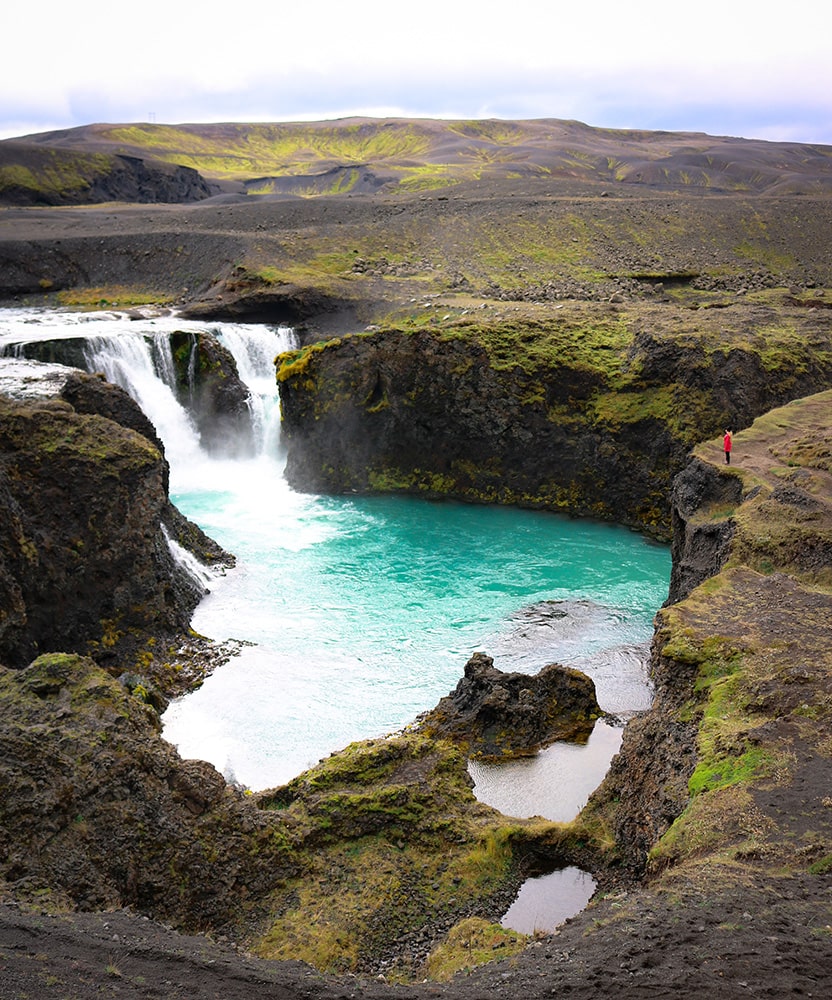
[(499, 714)]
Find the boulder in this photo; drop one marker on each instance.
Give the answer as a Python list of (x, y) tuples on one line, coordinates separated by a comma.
[(211, 389), (500, 714)]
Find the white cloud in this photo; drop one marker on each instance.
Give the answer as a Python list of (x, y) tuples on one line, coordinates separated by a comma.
[(602, 63)]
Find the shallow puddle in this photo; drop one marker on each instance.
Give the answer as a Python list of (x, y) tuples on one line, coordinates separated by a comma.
[(555, 783), (547, 901)]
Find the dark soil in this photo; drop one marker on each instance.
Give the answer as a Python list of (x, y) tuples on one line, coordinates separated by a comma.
[(765, 939)]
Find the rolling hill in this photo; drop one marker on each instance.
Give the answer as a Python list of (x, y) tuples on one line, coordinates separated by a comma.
[(184, 163)]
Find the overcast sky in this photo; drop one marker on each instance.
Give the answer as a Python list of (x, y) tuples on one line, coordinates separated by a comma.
[(735, 68)]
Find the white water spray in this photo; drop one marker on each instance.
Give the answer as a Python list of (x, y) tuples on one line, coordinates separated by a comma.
[(202, 575), (136, 355)]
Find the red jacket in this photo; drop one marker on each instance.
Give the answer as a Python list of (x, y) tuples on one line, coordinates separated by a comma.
[(726, 442)]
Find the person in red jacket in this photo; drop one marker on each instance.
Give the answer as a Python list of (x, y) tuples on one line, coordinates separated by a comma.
[(726, 447)]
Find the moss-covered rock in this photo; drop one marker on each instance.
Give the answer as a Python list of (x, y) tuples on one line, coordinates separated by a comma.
[(396, 850), (582, 412), (98, 812)]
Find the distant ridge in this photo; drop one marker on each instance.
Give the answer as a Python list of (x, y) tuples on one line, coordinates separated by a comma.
[(397, 155)]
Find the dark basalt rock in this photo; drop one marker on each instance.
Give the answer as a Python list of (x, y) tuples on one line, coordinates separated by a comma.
[(213, 392), (104, 557), (84, 563), (700, 545), (422, 414), (94, 394), (499, 714), (437, 415)]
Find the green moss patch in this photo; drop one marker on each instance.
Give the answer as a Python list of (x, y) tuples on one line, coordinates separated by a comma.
[(471, 943)]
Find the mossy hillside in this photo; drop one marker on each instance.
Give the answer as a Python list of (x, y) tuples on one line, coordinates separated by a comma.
[(55, 174), (738, 734), (250, 151), (567, 151), (103, 814), (363, 863), (392, 842), (758, 639), (756, 714), (415, 151)]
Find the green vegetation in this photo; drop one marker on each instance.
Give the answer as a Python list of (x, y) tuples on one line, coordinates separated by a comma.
[(535, 347), (389, 838), (683, 410), (278, 150), (470, 943), (112, 296)]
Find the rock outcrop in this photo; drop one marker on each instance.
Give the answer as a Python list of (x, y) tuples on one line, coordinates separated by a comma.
[(702, 498), (576, 414), (85, 566), (98, 812), (496, 714), (210, 388), (732, 758), (33, 175)]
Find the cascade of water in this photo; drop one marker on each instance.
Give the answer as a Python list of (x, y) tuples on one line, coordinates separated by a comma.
[(254, 349), (162, 358), (136, 354), (200, 573), (131, 362), (140, 360)]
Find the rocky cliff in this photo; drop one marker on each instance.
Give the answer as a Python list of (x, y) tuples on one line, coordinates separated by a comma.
[(715, 815), (85, 564), (732, 763), (589, 412)]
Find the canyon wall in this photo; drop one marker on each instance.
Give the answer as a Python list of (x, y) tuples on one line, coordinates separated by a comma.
[(585, 418)]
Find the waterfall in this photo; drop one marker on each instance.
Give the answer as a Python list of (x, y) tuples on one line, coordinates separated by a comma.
[(201, 574), (136, 354), (139, 359), (143, 366), (254, 349)]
